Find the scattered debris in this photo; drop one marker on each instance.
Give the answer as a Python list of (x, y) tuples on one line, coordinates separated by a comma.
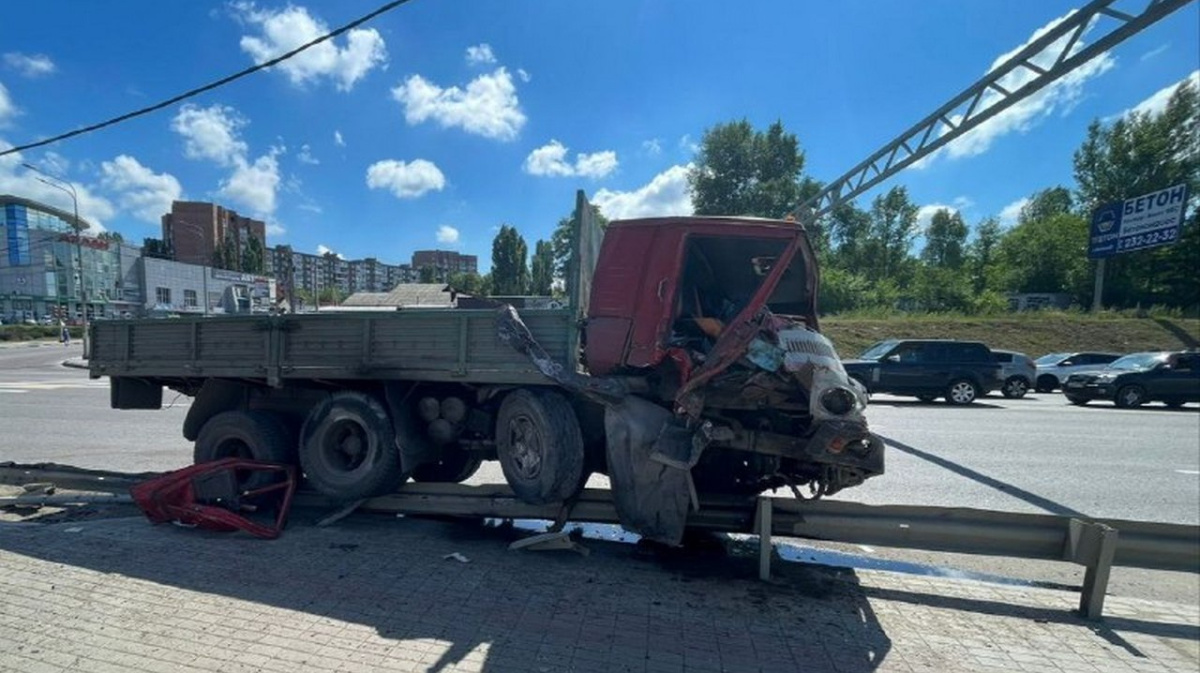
[(457, 557), (552, 541)]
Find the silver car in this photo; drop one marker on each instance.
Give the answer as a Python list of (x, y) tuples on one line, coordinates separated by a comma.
[(1018, 372), (1054, 368)]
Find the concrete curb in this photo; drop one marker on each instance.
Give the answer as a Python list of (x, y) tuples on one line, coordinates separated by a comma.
[(75, 363)]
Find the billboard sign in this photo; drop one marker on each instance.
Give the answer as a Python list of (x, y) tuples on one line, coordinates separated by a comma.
[(1146, 221)]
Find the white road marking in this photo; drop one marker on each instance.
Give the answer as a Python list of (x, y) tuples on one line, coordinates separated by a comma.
[(1188, 471)]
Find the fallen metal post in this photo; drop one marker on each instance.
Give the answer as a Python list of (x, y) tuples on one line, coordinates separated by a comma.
[(1093, 545)]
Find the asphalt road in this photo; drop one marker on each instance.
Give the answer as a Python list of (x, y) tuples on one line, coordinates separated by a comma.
[(1038, 454)]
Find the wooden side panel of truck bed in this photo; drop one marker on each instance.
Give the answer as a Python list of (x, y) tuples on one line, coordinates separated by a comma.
[(432, 344)]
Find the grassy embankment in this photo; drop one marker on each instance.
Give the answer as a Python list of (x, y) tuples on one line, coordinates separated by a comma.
[(1034, 333)]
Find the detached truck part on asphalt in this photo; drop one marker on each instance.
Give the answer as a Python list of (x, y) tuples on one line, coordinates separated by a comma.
[(687, 363)]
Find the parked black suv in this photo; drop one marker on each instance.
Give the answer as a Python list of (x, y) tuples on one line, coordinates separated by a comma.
[(1171, 378), (927, 369)]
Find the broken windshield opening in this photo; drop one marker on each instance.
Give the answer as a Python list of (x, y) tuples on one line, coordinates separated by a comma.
[(722, 273)]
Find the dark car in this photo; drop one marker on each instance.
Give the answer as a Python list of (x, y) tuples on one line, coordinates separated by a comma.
[(1133, 380), (928, 369)]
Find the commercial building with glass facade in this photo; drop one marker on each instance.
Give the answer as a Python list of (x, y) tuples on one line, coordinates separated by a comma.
[(46, 263)]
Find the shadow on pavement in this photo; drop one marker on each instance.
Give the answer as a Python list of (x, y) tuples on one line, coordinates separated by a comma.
[(618, 609), (1106, 629), (1015, 491)]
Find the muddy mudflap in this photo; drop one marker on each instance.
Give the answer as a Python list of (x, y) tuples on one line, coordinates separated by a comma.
[(652, 496)]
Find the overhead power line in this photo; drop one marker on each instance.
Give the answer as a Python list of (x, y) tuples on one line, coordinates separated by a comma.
[(212, 85)]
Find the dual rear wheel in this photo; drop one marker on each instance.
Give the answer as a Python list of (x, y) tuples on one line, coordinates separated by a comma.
[(347, 446)]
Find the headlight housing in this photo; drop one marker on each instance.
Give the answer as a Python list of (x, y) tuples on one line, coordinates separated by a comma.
[(839, 401)]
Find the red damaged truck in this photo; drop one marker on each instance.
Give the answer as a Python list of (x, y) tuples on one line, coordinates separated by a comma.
[(687, 363)]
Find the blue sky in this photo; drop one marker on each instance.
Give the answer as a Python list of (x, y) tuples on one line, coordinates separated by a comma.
[(439, 121)]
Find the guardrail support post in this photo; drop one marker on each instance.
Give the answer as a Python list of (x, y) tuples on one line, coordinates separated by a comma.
[(762, 526), (1093, 545)]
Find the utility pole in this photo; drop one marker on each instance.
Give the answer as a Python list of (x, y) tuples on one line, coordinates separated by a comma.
[(70, 189)]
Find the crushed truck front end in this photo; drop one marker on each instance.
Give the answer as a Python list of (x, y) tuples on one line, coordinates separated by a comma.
[(718, 316)]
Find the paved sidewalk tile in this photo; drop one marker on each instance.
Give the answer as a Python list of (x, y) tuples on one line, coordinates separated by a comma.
[(375, 594)]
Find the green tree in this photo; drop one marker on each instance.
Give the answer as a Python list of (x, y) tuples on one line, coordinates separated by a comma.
[(253, 257), (740, 171), (1046, 256), (893, 224), (562, 239), (849, 234), (427, 274), (469, 283), (981, 254), (541, 269), (1137, 154), (1046, 204), (945, 240), (510, 273), (157, 248)]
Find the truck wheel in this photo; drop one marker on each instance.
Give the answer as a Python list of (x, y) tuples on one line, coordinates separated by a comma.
[(452, 467), (1015, 387), (348, 447), (253, 435), (540, 446), (1046, 383), (961, 392), (1129, 397)]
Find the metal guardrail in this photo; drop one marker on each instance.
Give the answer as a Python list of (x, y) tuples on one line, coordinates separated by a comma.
[(1097, 544)]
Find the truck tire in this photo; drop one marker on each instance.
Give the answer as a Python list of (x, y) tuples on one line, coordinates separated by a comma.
[(540, 446), (452, 467), (253, 435), (348, 447), (962, 392)]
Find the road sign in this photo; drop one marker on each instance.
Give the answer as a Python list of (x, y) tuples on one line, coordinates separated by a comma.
[(1146, 221)]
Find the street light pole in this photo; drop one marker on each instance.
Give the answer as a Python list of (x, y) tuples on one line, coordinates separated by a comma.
[(70, 189)]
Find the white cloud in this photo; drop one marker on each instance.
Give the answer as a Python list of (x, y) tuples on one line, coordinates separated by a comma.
[(337, 139), (652, 147), (447, 234), (8, 109), (1061, 96), (550, 160), (291, 27), (1156, 103), (211, 133), (925, 213), (480, 54), (667, 194), (254, 185), (524, 75), (305, 156), (487, 107), (15, 179), (140, 191), (1155, 51), (274, 228), (323, 250), (405, 180), (36, 65), (1010, 213), (687, 145)]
